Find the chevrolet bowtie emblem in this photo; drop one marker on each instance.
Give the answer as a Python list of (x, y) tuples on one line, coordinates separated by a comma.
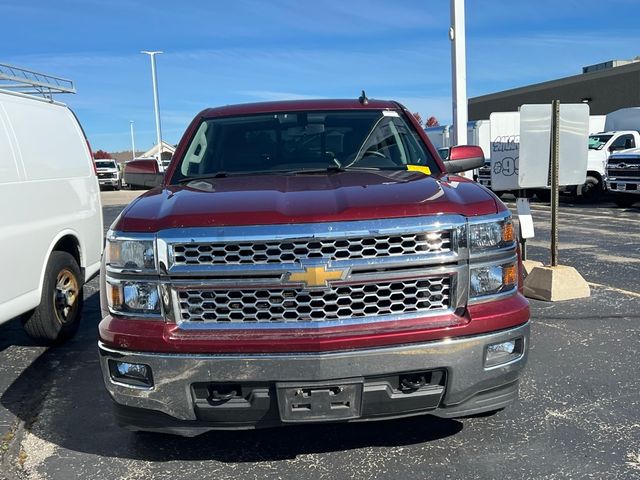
[(316, 276)]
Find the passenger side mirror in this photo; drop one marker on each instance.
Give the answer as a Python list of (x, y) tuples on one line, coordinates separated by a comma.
[(463, 158)]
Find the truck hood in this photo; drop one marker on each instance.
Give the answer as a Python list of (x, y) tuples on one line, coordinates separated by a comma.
[(271, 199)]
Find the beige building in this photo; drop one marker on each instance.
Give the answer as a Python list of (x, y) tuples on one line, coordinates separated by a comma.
[(605, 87), (167, 151)]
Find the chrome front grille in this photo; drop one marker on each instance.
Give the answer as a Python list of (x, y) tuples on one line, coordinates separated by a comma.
[(295, 251), (293, 305), (624, 173)]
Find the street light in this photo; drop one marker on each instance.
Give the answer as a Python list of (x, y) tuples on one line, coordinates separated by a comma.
[(133, 141), (156, 102)]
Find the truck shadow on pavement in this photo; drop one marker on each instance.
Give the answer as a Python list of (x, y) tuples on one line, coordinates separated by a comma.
[(61, 399)]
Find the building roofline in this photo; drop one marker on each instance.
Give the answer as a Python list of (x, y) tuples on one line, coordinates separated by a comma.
[(559, 82)]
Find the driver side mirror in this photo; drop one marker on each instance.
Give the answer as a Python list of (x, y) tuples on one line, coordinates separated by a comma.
[(463, 158)]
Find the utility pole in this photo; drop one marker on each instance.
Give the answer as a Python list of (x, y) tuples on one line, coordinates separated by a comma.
[(156, 103), (458, 73), (133, 141)]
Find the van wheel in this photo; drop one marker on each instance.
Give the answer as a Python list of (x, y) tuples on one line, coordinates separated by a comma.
[(118, 186), (57, 317)]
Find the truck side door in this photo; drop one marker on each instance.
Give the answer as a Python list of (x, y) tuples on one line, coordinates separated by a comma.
[(623, 142)]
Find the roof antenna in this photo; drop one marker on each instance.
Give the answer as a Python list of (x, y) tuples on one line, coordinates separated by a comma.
[(363, 98)]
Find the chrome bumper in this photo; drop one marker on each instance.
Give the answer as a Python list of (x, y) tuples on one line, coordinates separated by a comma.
[(461, 358), (617, 182)]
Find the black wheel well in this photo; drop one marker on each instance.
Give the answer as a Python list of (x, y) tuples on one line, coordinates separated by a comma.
[(69, 244), (592, 173)]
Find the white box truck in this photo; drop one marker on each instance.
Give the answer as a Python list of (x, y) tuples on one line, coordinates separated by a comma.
[(594, 184)]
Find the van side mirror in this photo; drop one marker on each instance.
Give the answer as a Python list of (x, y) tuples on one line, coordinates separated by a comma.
[(463, 158)]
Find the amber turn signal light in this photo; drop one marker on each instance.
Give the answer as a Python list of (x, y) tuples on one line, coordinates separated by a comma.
[(508, 233), (509, 275)]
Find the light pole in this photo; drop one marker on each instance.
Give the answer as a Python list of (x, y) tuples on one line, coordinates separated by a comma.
[(458, 73), (154, 78), (133, 141)]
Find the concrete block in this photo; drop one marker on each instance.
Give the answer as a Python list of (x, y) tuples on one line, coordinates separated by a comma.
[(529, 265), (554, 284)]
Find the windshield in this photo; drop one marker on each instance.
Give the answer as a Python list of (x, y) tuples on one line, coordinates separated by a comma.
[(289, 143), (596, 142), (106, 164)]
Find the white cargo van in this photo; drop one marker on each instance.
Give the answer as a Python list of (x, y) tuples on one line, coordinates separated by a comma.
[(50, 215)]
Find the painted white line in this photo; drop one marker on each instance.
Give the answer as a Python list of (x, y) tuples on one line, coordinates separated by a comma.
[(620, 290), (587, 215)]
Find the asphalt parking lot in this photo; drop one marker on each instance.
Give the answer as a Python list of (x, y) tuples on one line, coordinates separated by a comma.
[(578, 415)]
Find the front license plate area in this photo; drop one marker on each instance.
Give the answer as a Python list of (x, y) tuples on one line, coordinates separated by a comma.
[(318, 402), (621, 186)]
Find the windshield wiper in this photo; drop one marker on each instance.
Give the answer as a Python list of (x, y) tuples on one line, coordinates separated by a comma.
[(331, 169), (315, 171), (194, 178), (223, 174), (335, 169)]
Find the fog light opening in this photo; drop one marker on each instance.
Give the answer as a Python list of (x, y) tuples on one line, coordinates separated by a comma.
[(502, 353), (134, 374)]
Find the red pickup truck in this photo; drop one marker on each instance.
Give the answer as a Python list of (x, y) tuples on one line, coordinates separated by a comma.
[(311, 261)]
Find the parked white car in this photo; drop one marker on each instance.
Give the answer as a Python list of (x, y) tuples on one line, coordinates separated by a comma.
[(108, 173), (51, 232)]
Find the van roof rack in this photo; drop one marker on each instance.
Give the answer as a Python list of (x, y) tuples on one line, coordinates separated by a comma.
[(28, 82)]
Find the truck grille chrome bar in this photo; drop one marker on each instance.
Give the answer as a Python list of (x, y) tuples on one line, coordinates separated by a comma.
[(293, 251)]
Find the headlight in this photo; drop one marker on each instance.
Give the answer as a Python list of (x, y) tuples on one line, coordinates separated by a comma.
[(489, 235), (130, 254), (133, 297), (493, 279)]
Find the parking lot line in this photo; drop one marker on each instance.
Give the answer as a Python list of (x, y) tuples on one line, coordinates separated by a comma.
[(545, 209), (620, 290)]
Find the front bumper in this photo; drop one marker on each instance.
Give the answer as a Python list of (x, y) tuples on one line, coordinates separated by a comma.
[(109, 182), (461, 383), (624, 186)]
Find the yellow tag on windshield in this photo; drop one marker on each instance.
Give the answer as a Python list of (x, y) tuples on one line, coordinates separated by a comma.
[(418, 168)]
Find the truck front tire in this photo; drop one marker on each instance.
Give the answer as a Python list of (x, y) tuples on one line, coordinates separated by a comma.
[(57, 317), (591, 189)]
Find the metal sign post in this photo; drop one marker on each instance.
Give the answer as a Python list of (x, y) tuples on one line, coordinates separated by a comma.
[(558, 134), (554, 174)]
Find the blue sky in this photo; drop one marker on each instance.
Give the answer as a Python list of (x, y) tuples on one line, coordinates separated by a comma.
[(221, 52)]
